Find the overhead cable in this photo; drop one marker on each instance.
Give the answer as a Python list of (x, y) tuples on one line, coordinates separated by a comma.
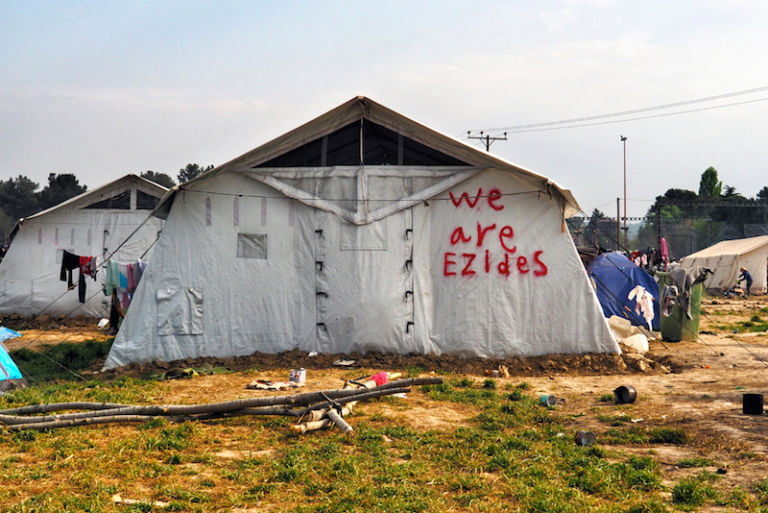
[(525, 127)]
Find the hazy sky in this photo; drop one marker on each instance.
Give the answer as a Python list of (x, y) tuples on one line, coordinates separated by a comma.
[(104, 88)]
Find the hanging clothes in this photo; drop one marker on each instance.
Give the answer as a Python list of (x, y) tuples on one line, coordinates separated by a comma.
[(129, 270), (89, 266), (123, 276), (664, 252), (112, 282), (138, 271), (669, 297), (69, 262), (644, 303), (685, 279)]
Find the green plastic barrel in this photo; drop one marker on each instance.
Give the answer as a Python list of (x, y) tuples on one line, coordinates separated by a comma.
[(678, 326)]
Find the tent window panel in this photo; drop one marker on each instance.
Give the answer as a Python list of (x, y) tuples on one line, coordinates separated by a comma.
[(252, 245), (180, 311), (367, 237), (121, 201), (145, 201)]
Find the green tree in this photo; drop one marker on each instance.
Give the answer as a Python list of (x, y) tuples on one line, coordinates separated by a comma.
[(6, 225), (191, 171), (709, 186), (159, 178), (61, 187), (18, 197), (730, 194), (686, 202), (762, 194), (600, 230)]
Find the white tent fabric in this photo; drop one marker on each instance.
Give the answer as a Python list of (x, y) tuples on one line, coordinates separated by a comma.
[(29, 273), (471, 259), (726, 257)]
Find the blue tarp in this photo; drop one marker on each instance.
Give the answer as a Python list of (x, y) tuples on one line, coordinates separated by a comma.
[(615, 276), (7, 334), (8, 370)]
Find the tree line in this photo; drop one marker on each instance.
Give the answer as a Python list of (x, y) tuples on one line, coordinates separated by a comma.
[(21, 196), (717, 212)]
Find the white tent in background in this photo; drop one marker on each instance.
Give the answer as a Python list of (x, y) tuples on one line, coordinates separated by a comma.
[(95, 223), (363, 230), (726, 257)]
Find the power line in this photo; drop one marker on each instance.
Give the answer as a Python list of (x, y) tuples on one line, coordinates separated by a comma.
[(667, 114), (632, 111)]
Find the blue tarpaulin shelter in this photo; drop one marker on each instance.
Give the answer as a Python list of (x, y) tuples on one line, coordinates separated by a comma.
[(10, 377), (615, 276)]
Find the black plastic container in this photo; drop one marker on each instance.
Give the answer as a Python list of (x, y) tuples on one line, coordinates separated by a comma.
[(752, 404), (625, 394)]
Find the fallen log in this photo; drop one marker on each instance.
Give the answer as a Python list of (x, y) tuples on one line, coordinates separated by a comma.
[(45, 408), (103, 413), (336, 418), (42, 426), (313, 424)]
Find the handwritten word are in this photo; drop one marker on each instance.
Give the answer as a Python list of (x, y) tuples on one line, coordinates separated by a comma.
[(505, 236)]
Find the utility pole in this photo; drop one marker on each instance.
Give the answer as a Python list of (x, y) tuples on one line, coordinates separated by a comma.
[(486, 139), (618, 225), (626, 238)]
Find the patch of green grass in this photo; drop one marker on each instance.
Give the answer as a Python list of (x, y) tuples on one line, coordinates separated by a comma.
[(60, 361), (463, 382), (633, 435), (122, 390), (489, 383), (761, 489), (668, 436), (694, 491), (414, 370), (696, 462), (615, 420), (172, 438), (651, 506), (755, 325), (607, 398), (639, 436)]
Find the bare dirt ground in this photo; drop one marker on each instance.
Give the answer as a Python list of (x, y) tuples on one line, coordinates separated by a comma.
[(694, 386)]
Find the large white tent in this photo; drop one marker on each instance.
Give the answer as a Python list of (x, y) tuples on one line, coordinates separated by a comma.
[(95, 223), (726, 257), (363, 230)]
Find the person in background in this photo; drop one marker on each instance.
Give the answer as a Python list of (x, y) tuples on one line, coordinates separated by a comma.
[(116, 314), (745, 276)]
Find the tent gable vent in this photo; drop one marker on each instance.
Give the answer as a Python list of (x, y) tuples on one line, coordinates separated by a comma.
[(120, 201), (145, 201), (363, 142)]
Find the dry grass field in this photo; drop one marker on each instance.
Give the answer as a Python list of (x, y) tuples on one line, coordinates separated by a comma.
[(474, 443)]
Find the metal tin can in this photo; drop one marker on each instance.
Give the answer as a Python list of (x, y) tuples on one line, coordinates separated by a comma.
[(298, 375)]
